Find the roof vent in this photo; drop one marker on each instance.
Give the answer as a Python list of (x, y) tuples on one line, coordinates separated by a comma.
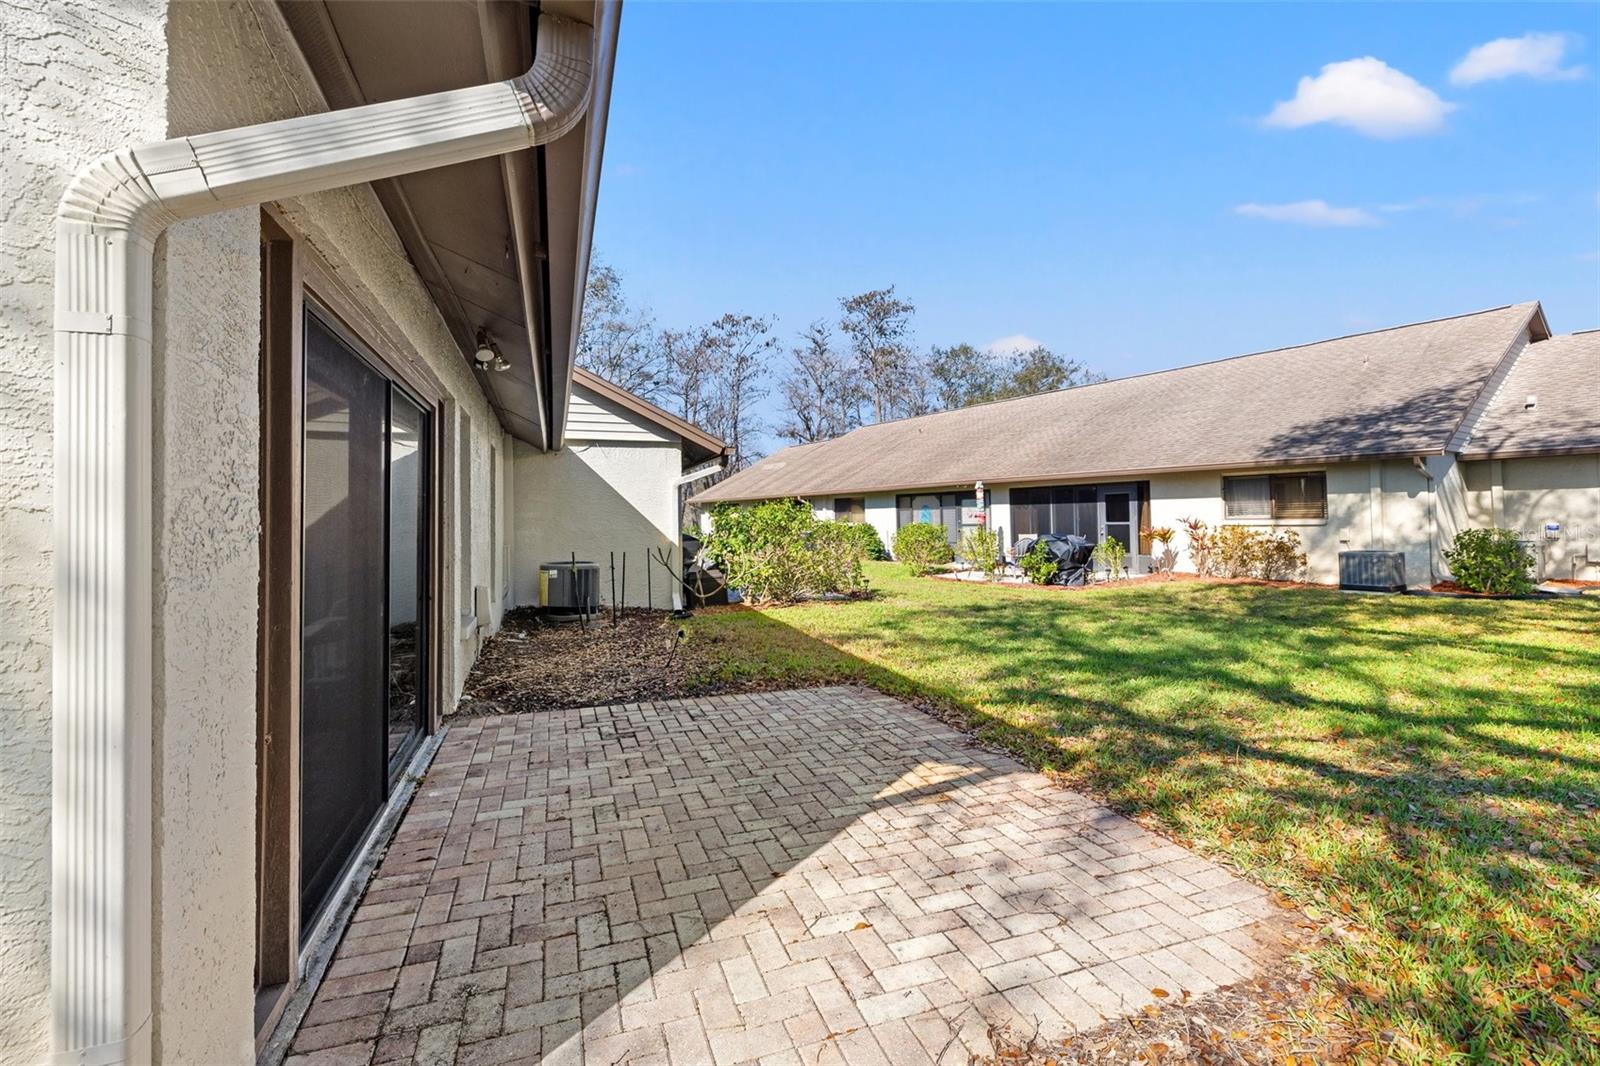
[(1530, 403)]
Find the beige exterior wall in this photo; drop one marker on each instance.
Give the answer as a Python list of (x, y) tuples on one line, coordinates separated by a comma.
[(592, 499), (613, 488), (1387, 506), (880, 514), (80, 80), (1525, 494), (77, 80)]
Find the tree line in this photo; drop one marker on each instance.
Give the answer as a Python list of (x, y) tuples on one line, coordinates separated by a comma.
[(857, 368)]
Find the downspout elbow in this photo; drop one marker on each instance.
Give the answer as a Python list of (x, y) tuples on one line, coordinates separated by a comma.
[(145, 188), (107, 224)]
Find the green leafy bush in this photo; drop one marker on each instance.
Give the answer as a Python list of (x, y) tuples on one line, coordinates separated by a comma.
[(921, 546), (1038, 564), (1111, 555), (836, 556), (980, 548), (871, 543), (1490, 560), (1240, 551), (777, 552)]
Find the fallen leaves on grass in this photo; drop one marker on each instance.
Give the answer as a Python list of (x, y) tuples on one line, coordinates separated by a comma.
[(1273, 1019)]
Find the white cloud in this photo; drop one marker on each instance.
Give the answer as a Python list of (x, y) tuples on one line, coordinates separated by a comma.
[(1015, 344), (1533, 55), (1366, 94), (1309, 213)]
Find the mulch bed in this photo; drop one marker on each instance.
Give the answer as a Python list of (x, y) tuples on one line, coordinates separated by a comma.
[(1168, 577), (533, 665)]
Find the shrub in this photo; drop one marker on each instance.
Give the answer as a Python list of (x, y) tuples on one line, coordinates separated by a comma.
[(836, 558), (778, 552), (922, 546), (1163, 535), (1240, 551), (1201, 544), (980, 547), (1490, 560), (740, 529), (871, 543), (1038, 564), (1111, 554)]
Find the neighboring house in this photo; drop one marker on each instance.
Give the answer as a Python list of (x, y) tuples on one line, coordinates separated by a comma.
[(1392, 440), (613, 489), (255, 513)]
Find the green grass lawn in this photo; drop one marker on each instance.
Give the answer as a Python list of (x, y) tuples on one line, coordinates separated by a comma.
[(1424, 773)]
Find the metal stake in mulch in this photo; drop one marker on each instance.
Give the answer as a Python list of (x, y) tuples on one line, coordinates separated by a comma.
[(613, 590), (583, 600)]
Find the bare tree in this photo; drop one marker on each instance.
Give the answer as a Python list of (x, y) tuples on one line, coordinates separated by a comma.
[(691, 363), (822, 393), (739, 348), (878, 325), (616, 340)]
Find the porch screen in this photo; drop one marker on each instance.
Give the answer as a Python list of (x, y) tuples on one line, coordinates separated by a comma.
[(1064, 510)]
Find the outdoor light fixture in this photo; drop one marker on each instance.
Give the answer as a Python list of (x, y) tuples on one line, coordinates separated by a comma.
[(488, 356)]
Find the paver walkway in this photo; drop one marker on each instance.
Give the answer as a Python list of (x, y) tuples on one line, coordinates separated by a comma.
[(823, 875)]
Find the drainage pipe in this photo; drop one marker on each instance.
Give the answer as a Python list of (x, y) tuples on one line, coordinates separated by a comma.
[(106, 228)]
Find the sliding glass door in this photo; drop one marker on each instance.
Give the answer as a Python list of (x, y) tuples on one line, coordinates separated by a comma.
[(408, 573), (364, 680)]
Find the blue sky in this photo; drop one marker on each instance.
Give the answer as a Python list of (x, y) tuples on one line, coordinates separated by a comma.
[(1137, 186)]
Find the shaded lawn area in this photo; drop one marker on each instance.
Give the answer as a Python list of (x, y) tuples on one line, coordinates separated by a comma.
[(1423, 775)]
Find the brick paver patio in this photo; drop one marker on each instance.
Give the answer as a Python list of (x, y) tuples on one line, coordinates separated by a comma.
[(789, 877)]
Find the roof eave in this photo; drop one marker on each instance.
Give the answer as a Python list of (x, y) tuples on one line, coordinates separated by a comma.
[(1131, 474), (691, 434), (1478, 454)]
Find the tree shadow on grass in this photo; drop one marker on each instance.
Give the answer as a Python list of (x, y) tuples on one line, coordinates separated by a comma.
[(1454, 743)]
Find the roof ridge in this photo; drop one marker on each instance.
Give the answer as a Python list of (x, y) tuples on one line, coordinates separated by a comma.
[(1493, 386), (1186, 366)]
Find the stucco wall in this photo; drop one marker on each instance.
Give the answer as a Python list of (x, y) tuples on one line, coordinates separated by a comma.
[(882, 515), (207, 562), (1382, 506), (594, 499), (76, 80), (1386, 505), (1524, 494)]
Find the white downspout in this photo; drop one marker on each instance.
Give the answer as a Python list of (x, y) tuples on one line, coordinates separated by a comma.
[(106, 229)]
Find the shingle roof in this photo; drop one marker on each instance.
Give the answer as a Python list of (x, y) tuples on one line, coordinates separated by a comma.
[(1399, 391), (1564, 373)]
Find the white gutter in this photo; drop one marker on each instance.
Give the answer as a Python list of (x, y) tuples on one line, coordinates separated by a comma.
[(703, 470), (106, 229)]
